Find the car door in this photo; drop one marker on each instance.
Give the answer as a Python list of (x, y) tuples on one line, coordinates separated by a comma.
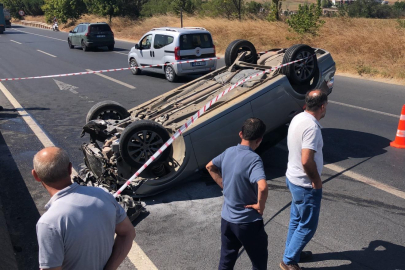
[(275, 106), (73, 37), (145, 51), (160, 44), (219, 133)]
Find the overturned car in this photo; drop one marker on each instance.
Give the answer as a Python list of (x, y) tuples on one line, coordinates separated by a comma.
[(122, 140)]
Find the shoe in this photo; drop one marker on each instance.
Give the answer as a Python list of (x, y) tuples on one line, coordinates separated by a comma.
[(305, 256), (289, 266)]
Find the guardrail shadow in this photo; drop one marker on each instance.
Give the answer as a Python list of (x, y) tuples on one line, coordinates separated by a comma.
[(378, 255)]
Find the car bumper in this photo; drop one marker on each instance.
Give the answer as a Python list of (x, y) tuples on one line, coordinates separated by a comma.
[(186, 68), (99, 43)]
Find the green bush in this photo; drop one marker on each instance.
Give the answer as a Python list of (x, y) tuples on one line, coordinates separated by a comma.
[(64, 10), (307, 20)]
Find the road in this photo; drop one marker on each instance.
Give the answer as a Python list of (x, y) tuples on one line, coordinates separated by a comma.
[(361, 226)]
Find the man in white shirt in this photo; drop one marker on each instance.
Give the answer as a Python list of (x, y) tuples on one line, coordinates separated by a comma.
[(303, 177)]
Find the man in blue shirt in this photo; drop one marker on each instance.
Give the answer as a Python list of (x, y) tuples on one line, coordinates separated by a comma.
[(239, 171)]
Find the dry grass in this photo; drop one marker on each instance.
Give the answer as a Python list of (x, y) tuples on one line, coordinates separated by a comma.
[(366, 47)]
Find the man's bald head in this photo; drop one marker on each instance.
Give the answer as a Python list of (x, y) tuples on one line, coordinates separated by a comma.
[(315, 99), (52, 165)]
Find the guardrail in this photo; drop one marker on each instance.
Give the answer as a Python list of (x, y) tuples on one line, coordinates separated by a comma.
[(35, 24)]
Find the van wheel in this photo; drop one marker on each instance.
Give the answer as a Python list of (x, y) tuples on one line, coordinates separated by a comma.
[(170, 74), (133, 64), (107, 110), (140, 140), (84, 47), (237, 47), (303, 71)]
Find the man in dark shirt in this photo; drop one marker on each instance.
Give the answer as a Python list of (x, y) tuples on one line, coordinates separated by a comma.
[(239, 171)]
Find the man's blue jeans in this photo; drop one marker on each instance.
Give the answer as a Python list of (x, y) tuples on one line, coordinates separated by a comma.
[(304, 215)]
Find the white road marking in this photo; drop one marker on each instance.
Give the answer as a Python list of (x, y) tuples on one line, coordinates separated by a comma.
[(113, 80), (358, 177), (136, 254), (366, 180), (66, 87), (122, 53), (363, 109), (38, 131), (15, 41), (139, 258), (39, 35), (46, 53)]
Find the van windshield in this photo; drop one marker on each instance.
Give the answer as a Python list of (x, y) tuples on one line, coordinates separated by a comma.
[(192, 41)]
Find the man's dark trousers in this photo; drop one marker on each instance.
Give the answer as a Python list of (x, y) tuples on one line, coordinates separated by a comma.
[(251, 236)]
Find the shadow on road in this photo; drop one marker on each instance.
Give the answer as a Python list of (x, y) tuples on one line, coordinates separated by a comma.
[(19, 209), (378, 255), (4, 115)]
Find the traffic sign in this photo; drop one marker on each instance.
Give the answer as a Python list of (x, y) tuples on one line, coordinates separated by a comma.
[(21, 12)]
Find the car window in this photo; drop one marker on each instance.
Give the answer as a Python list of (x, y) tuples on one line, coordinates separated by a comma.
[(146, 42), (162, 41), (76, 29), (100, 28), (81, 29), (192, 41)]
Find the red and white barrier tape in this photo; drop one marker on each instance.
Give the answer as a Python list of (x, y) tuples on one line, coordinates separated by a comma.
[(108, 70), (194, 118)]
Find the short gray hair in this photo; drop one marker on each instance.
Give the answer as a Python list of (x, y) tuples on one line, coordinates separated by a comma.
[(51, 171)]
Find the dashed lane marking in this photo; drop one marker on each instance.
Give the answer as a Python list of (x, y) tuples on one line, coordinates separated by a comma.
[(363, 109), (46, 53), (136, 254), (113, 80), (122, 53), (15, 41), (39, 35)]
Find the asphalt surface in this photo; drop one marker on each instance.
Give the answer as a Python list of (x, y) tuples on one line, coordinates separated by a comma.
[(361, 227)]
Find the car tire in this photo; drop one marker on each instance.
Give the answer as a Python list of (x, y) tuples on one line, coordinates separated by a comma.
[(70, 44), (170, 74), (140, 140), (84, 47), (111, 47), (106, 110), (303, 71), (238, 46), (133, 63)]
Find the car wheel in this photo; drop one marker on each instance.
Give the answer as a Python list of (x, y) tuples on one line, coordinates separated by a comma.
[(107, 110), (140, 140), (132, 65), (237, 47), (70, 44), (303, 71), (84, 47), (111, 47), (170, 74)]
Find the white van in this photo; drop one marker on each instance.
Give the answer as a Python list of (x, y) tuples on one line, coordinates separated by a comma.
[(173, 45)]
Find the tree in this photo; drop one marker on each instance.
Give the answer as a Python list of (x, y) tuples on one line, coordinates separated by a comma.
[(108, 8), (238, 5), (64, 10), (307, 20), (326, 3)]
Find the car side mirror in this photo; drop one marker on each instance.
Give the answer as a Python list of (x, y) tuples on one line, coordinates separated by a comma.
[(137, 46), (70, 31)]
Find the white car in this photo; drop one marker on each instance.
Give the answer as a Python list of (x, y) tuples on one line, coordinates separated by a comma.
[(173, 45)]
